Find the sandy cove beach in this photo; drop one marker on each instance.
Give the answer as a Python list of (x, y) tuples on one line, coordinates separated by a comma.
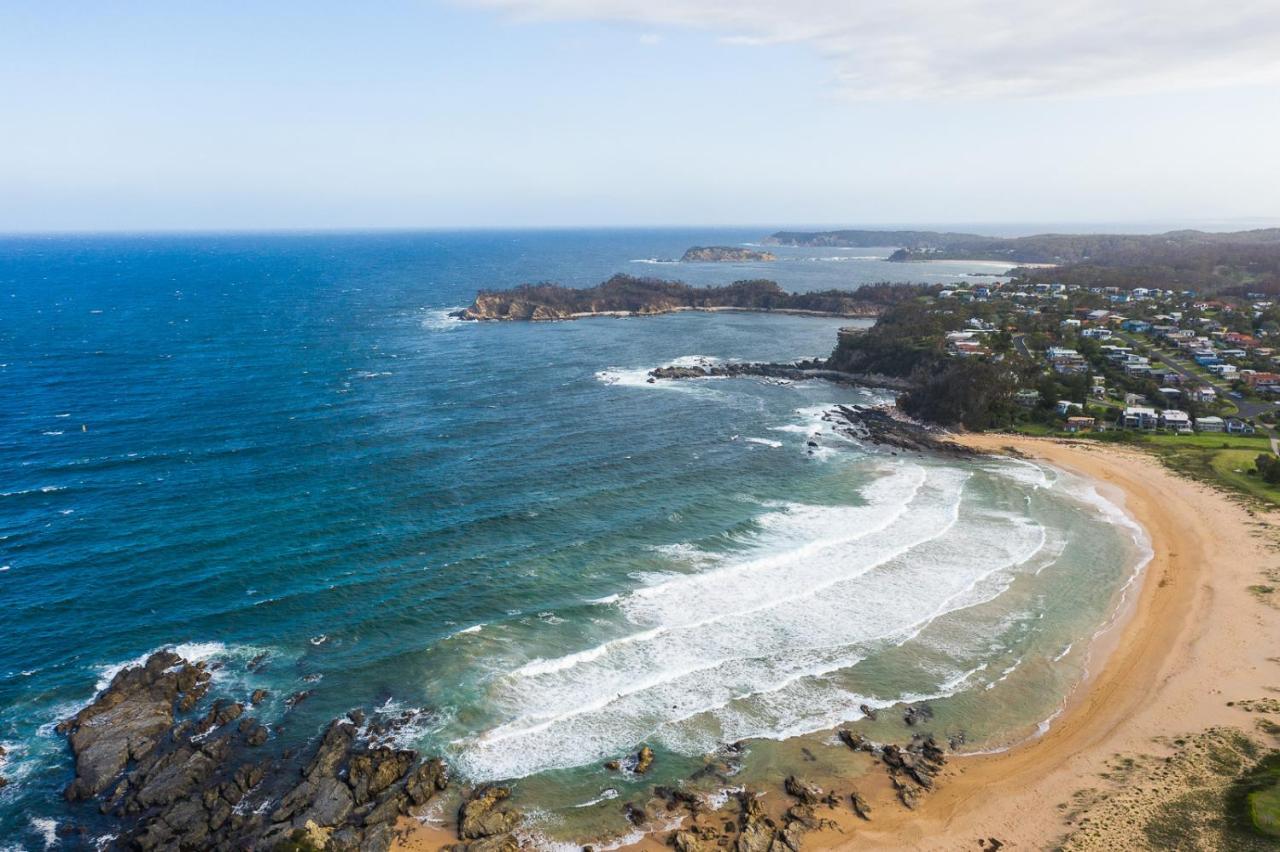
[(1192, 644), (1195, 639)]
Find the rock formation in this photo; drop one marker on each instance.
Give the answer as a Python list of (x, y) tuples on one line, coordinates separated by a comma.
[(182, 780)]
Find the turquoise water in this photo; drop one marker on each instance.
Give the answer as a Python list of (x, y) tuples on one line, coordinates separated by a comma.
[(282, 444)]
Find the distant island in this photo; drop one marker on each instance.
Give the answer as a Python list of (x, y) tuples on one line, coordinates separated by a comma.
[(626, 295), (725, 254)]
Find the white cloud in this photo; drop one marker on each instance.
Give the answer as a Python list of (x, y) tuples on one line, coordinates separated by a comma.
[(980, 48)]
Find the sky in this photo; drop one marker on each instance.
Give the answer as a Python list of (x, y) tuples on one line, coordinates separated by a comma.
[(548, 113)]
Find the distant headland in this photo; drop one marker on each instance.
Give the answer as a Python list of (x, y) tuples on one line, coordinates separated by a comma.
[(1057, 249), (626, 295)]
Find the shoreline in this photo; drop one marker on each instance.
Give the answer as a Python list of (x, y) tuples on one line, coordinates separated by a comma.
[(1188, 637), (1193, 639)]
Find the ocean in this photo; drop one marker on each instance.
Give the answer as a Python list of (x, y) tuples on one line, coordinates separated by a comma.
[(281, 444)]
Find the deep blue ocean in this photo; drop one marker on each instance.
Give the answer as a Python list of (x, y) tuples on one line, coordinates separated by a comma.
[(281, 444)]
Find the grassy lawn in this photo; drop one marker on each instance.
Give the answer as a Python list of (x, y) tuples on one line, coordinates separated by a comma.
[(1264, 810), (1217, 441), (1231, 466), (1257, 794), (1222, 460), (1218, 459)]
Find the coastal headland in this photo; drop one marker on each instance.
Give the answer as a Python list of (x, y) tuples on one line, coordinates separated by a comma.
[(626, 295)]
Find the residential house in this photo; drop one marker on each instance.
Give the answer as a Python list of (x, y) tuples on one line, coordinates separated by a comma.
[(1176, 420), (1079, 424), (1209, 424), (1140, 417), (1254, 379), (1027, 397), (1204, 393), (1066, 406)]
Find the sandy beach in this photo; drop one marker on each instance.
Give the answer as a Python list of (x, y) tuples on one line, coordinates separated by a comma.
[(1193, 647), (1197, 638)]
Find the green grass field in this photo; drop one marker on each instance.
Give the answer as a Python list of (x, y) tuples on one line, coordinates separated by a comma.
[(1218, 459)]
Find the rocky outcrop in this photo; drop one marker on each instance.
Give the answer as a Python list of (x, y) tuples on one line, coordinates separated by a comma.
[(486, 821), (485, 814), (177, 780), (795, 371), (886, 426), (725, 254), (129, 718), (638, 763)]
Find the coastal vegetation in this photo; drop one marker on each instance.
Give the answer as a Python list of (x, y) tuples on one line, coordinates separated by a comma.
[(1257, 249), (725, 254), (641, 296)]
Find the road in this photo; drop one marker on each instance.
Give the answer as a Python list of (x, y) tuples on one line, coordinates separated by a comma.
[(1249, 408)]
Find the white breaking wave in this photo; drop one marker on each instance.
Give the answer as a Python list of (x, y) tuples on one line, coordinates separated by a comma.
[(192, 652), (750, 647), (638, 377), (440, 319)]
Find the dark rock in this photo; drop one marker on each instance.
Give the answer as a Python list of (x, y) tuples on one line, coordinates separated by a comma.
[(867, 711), (886, 426), (429, 778), (182, 783), (917, 713), (860, 805), (127, 720), (634, 814), (259, 695), (808, 793), (855, 741)]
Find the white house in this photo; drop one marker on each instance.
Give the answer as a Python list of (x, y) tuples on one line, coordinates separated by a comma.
[(1209, 424), (1178, 421), (1204, 393), (1140, 417)]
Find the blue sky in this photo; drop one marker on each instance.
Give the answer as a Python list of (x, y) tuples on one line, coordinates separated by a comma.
[(615, 112)]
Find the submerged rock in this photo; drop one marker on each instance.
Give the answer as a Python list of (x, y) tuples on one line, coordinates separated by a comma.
[(917, 713)]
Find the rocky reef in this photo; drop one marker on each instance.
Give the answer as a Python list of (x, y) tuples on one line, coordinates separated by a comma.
[(625, 295), (725, 254), (794, 371), (886, 426), (177, 779)]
